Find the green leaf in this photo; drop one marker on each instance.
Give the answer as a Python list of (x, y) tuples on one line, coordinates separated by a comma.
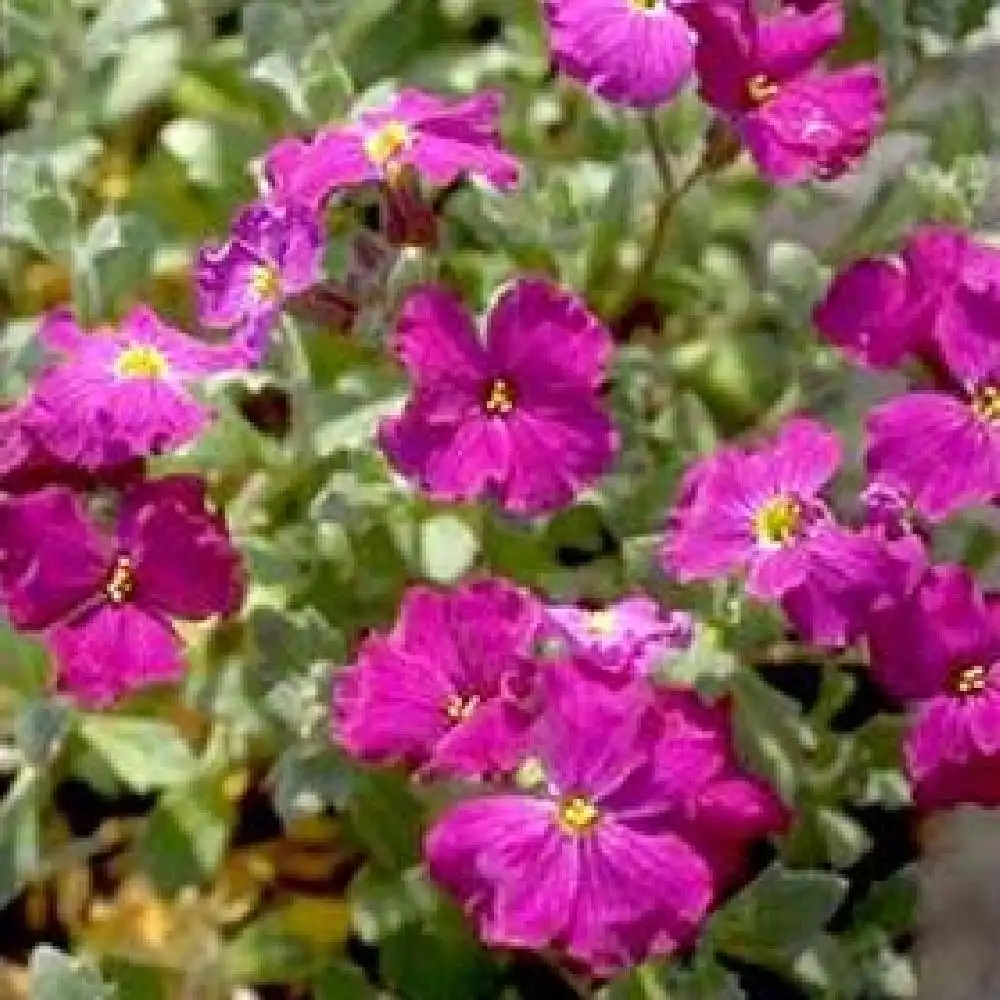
[(52, 223), (287, 944), (148, 67), (20, 834), (440, 961), (116, 23), (186, 836), (53, 975), (448, 548), (41, 728), (307, 780), (341, 982), (778, 915), (144, 754), (847, 841)]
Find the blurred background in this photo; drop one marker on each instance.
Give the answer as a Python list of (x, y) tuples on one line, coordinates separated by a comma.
[(208, 843)]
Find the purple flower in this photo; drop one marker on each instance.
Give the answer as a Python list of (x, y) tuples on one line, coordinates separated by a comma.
[(17, 445), (106, 604), (119, 395), (761, 513), (441, 141), (881, 309), (26, 466), (447, 690), (607, 850), (798, 121), (756, 511), (938, 652), (514, 416), (942, 444), (626, 640), (274, 252), (634, 52)]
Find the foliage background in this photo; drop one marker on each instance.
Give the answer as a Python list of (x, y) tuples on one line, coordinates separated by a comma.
[(207, 839)]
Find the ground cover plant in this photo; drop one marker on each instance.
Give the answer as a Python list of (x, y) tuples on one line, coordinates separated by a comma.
[(495, 495)]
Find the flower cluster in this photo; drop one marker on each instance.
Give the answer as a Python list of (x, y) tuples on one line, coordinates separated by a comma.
[(605, 810), (931, 633), (608, 850), (275, 251), (930, 452), (514, 415), (104, 599), (759, 73)]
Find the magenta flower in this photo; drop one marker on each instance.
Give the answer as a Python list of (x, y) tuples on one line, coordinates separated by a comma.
[(938, 652), (797, 120), (606, 851), (104, 603), (626, 640), (634, 52), (447, 690), (273, 254), (441, 141), (514, 416), (881, 309), (16, 444), (942, 444), (761, 513), (756, 511), (119, 395)]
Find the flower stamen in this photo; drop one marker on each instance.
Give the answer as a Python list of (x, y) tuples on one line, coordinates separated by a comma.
[(387, 142), (986, 403), (778, 522), (121, 584), (578, 815), (966, 682), (761, 89), (266, 282), (141, 361), (500, 398), (461, 708), (602, 623)]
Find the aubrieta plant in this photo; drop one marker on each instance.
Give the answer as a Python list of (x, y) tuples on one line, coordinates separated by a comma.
[(587, 802)]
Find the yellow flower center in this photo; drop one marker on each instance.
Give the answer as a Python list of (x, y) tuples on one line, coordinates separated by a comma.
[(578, 815), (388, 142), (499, 398), (141, 361), (602, 622), (986, 403), (968, 681), (460, 708), (121, 584), (531, 774), (266, 281), (645, 5), (761, 89), (778, 522)]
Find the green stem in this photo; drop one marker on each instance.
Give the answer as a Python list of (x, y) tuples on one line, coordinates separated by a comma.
[(652, 988), (672, 195), (299, 373)]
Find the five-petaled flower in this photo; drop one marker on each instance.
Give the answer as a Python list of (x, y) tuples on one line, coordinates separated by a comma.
[(439, 140), (938, 653), (797, 120), (448, 690), (273, 253), (119, 394), (105, 603), (513, 416), (608, 850), (633, 52)]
